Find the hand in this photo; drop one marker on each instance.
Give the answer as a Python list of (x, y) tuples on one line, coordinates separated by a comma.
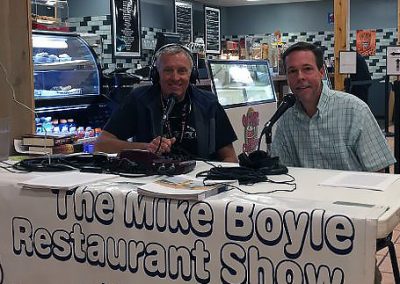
[(165, 146)]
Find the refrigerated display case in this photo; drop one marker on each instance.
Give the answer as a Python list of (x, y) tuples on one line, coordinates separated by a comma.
[(67, 79), (50, 15), (246, 90)]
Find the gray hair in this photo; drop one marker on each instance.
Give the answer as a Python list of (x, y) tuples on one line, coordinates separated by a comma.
[(172, 50)]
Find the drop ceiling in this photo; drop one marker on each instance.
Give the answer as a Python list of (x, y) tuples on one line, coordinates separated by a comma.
[(229, 3)]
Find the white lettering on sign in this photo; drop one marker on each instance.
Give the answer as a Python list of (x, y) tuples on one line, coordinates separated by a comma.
[(241, 266), (86, 205), (178, 217), (237, 255), (155, 259), (271, 227)]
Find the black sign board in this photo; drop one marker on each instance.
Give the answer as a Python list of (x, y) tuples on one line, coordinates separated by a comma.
[(212, 30), (126, 28), (183, 21)]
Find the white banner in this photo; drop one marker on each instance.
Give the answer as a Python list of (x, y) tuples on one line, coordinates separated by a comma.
[(108, 234)]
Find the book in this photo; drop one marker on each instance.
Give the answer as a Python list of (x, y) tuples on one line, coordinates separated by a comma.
[(48, 140), (183, 187), (64, 181), (60, 149)]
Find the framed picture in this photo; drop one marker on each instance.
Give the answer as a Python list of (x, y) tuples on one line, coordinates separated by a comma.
[(184, 21), (347, 62), (212, 30), (126, 28)]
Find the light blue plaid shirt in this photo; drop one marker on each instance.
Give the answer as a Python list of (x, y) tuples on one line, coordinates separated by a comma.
[(343, 134)]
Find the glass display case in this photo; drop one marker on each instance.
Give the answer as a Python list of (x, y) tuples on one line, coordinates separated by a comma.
[(67, 78), (50, 14), (241, 82), (65, 69)]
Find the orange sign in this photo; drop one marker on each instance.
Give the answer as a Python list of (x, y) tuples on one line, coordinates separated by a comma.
[(366, 42)]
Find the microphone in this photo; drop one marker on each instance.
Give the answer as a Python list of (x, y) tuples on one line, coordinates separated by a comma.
[(167, 110), (169, 106), (287, 102)]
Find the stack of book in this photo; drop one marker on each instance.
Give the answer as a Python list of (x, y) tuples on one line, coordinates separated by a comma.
[(184, 187), (49, 144)]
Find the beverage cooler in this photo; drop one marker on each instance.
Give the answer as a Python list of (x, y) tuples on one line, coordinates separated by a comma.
[(67, 87), (246, 91)]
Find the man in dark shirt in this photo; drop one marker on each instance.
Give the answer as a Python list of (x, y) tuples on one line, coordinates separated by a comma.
[(362, 76), (197, 124)]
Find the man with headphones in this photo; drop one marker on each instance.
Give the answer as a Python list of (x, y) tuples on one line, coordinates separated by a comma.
[(197, 124)]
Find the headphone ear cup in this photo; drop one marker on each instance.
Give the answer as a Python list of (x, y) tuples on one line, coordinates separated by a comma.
[(258, 155), (154, 76), (244, 161), (194, 76)]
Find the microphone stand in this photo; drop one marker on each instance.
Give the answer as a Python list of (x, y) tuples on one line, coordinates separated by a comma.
[(288, 101), (268, 139), (168, 108), (267, 131)]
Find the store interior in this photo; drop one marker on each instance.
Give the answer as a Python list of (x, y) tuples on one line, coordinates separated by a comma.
[(263, 37), (36, 96)]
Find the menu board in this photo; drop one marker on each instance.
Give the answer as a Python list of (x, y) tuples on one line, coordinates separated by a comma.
[(212, 30), (126, 28), (183, 21)]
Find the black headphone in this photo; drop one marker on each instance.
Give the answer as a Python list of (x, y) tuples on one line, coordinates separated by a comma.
[(155, 76), (260, 160)]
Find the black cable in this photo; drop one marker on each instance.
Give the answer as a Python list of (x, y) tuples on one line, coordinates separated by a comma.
[(8, 167), (42, 165), (245, 176), (269, 192), (159, 145)]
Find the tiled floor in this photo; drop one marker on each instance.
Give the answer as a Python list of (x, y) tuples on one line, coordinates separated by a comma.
[(382, 256)]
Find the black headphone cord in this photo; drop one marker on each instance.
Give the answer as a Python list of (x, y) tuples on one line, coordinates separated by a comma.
[(245, 176)]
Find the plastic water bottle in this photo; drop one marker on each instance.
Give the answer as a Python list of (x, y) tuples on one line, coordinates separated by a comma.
[(47, 125)]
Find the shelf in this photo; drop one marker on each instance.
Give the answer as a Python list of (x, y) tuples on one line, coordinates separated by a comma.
[(67, 65)]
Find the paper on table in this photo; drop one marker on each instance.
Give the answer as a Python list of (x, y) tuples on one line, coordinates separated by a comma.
[(361, 180), (64, 181)]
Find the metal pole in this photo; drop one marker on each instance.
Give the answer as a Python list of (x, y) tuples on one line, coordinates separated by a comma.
[(387, 96), (396, 114)]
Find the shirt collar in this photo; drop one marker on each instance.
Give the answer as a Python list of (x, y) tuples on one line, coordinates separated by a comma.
[(324, 99)]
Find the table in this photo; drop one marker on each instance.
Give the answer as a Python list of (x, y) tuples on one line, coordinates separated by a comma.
[(106, 233), (308, 189)]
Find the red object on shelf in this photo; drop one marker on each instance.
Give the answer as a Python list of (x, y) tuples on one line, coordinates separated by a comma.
[(38, 26)]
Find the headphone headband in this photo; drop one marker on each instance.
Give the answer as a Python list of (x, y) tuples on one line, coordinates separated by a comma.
[(155, 76)]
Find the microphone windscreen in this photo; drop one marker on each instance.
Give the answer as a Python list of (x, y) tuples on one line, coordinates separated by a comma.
[(290, 99)]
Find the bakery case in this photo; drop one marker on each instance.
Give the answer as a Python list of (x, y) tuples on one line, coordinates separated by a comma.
[(66, 82)]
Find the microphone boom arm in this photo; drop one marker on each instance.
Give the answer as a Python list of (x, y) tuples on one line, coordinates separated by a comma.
[(287, 102)]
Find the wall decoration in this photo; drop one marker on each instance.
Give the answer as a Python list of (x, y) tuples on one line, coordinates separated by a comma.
[(212, 29), (347, 62), (126, 28), (183, 21), (366, 42), (331, 18)]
